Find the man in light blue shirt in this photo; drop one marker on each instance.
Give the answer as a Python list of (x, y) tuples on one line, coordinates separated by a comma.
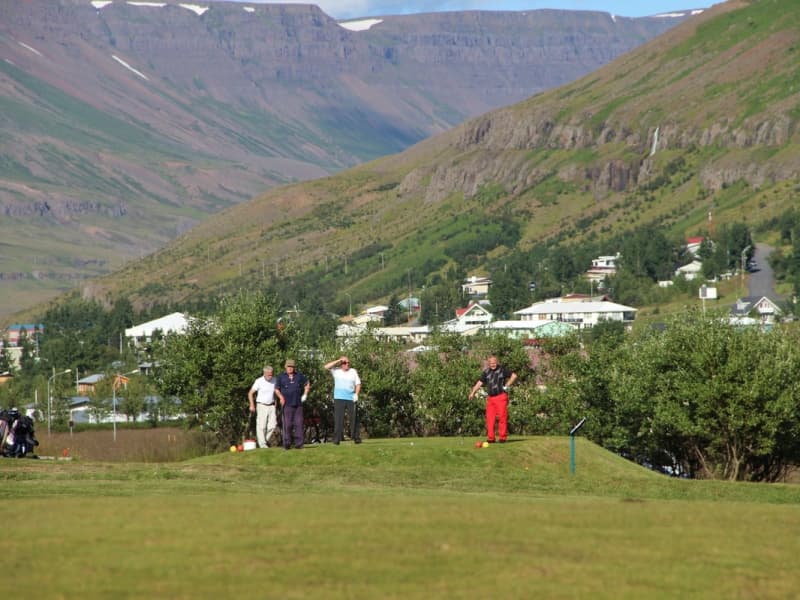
[(346, 387)]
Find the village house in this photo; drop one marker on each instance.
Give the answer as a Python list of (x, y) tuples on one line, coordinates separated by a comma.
[(373, 314), (14, 333), (469, 320), (143, 334), (691, 271), (762, 307), (476, 286), (87, 385), (602, 267), (693, 245), (583, 314), (531, 331)]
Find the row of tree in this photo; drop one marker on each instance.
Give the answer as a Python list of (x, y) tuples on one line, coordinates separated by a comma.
[(700, 398)]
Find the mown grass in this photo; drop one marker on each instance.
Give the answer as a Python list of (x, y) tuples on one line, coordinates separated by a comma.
[(406, 518)]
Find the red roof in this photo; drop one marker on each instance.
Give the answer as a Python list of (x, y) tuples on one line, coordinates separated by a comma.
[(695, 240)]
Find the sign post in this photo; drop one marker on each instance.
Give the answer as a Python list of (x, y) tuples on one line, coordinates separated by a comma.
[(572, 433), (706, 292)]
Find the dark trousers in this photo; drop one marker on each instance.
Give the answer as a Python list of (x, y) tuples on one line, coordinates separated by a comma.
[(340, 407), (292, 426)]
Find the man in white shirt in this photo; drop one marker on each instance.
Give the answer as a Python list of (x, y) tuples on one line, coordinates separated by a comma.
[(262, 402), (346, 387)]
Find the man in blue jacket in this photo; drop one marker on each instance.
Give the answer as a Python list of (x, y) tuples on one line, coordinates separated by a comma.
[(293, 388)]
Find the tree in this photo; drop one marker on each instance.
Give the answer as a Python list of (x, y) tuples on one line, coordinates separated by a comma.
[(508, 293), (715, 400), (386, 391), (213, 364), (394, 313), (6, 364), (134, 395), (648, 253), (100, 399), (441, 388), (439, 303)]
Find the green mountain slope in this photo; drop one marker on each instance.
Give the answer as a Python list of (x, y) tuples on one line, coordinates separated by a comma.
[(704, 118)]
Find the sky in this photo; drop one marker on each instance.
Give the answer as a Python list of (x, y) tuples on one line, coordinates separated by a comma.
[(349, 9)]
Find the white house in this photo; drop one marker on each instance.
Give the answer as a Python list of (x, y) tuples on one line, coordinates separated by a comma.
[(766, 309), (581, 314), (143, 334), (376, 311), (693, 245), (691, 271), (373, 314), (416, 334), (468, 320), (476, 286), (602, 267)]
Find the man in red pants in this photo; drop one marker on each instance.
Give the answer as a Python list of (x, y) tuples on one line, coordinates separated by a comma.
[(497, 380)]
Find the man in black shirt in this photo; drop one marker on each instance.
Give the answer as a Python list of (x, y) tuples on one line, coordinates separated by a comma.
[(497, 380)]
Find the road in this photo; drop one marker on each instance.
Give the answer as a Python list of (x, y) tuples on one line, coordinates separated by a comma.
[(762, 280)]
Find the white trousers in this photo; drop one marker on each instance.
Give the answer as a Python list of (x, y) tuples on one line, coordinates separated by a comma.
[(266, 422)]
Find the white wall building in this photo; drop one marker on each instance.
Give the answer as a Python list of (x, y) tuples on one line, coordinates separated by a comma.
[(476, 286), (691, 271), (602, 267), (143, 334), (582, 315), (469, 320)]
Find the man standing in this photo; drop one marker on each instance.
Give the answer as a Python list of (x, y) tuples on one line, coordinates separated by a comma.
[(497, 380), (346, 387), (262, 402), (292, 388)]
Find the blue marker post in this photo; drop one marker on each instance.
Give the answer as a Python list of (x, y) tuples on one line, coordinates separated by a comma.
[(572, 433)]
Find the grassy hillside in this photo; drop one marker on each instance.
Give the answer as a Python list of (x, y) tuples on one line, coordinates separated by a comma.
[(701, 121), (404, 518)]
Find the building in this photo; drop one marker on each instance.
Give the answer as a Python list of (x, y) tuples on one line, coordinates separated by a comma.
[(16, 332), (374, 314), (583, 315), (469, 320), (765, 309), (476, 286), (531, 330), (143, 334), (693, 245), (88, 384), (602, 267), (691, 271)]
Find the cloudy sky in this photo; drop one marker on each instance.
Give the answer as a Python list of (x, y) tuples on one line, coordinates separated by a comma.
[(348, 9)]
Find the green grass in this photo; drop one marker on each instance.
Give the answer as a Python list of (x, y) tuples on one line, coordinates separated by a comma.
[(432, 518)]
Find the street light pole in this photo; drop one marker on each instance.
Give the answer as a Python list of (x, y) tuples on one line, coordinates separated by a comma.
[(741, 273), (49, 395), (114, 406)]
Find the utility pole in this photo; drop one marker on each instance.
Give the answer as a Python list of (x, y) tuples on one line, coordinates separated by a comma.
[(408, 271)]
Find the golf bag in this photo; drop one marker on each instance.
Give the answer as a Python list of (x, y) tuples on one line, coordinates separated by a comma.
[(17, 439)]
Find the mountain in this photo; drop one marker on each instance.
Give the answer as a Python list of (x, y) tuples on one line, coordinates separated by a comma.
[(124, 124), (702, 120)]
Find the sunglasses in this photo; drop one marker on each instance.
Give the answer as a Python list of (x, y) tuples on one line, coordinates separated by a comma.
[(345, 362)]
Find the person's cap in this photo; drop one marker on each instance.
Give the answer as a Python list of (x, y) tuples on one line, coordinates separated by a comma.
[(290, 363)]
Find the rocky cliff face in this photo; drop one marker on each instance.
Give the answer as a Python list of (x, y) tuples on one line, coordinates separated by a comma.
[(632, 115)]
